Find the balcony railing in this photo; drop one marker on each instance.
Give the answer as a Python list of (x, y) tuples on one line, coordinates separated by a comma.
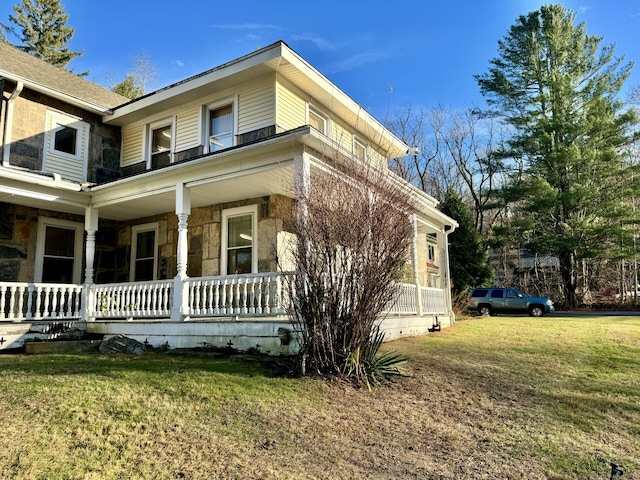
[(263, 294)]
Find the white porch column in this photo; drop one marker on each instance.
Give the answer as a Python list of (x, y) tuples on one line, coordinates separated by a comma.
[(302, 179), (180, 309), (445, 274), (414, 263), (91, 217)]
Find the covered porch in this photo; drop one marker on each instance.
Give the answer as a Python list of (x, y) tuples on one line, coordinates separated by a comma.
[(222, 289)]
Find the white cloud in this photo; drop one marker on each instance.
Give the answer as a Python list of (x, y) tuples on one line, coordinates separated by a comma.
[(179, 63), (323, 44), (358, 60)]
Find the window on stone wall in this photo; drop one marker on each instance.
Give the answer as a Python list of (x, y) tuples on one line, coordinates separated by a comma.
[(239, 240), (58, 251), (66, 150), (144, 252)]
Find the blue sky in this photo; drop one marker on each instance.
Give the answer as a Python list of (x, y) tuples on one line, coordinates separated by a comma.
[(383, 54)]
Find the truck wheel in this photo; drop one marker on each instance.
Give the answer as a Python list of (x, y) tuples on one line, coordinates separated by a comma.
[(484, 310), (536, 311)]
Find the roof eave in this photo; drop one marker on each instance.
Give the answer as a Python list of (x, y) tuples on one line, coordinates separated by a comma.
[(91, 107)]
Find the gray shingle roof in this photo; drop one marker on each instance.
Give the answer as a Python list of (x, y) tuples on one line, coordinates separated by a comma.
[(18, 65)]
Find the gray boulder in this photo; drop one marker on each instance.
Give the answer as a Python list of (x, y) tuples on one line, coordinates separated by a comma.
[(122, 344)]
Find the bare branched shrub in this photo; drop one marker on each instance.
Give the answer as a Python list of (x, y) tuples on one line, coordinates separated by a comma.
[(353, 233)]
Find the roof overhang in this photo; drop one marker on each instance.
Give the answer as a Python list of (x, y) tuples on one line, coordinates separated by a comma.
[(64, 97)]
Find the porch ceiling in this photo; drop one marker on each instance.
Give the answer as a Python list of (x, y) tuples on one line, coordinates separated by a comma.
[(209, 191)]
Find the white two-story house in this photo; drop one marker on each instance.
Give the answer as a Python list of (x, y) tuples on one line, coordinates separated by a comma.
[(157, 218)]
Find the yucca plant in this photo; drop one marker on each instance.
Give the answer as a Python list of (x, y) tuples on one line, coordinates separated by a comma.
[(366, 366)]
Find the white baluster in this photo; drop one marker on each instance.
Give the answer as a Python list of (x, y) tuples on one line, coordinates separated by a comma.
[(12, 302), (216, 294), (20, 293)]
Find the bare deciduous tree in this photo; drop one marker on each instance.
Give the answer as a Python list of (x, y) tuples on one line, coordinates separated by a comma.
[(459, 151), (353, 233)]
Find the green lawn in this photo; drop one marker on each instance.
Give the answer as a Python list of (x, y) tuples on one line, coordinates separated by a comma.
[(499, 397)]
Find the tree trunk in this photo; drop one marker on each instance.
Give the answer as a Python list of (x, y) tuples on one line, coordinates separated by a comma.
[(569, 280)]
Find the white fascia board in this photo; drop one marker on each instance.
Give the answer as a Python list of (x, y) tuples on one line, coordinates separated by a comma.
[(91, 107)]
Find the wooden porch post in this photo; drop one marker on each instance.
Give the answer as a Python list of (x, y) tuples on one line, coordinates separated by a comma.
[(91, 217), (414, 263), (180, 309)]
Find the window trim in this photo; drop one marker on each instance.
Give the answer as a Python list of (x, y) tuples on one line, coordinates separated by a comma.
[(170, 121), (224, 232), (358, 141), (319, 113), (43, 223), (135, 230), (206, 127)]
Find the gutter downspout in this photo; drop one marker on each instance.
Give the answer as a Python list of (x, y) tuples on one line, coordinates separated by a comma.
[(447, 270), (8, 124)]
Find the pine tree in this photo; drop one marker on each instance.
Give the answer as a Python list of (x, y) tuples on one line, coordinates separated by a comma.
[(129, 87), (41, 28), (468, 260), (557, 87)]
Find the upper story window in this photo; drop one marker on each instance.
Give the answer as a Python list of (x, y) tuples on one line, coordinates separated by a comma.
[(431, 252), (318, 120), (220, 129), (160, 143), (359, 149), (65, 140), (66, 146)]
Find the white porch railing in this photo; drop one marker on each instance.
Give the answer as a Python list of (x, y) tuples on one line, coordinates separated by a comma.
[(432, 300), (242, 295), (256, 294), (132, 299), (405, 301), (40, 301)]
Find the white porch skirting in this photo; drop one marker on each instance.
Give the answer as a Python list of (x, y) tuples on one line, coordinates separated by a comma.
[(273, 336)]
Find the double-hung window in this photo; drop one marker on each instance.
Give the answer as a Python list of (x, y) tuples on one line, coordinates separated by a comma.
[(220, 126), (58, 251), (359, 149), (317, 119), (239, 240), (144, 252), (160, 142)]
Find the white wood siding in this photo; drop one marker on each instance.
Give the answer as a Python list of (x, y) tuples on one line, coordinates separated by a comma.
[(256, 107), (341, 136), (188, 128), (291, 108), (132, 145)]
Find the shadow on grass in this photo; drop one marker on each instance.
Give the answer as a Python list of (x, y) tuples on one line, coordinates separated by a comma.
[(111, 365)]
